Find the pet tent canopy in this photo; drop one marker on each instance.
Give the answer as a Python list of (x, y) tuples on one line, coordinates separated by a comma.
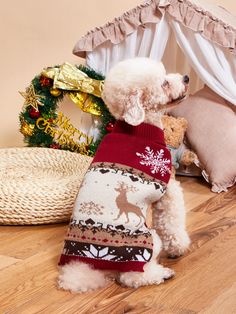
[(205, 33)]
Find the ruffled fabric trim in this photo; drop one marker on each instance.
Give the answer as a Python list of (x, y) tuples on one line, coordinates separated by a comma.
[(187, 13), (200, 20), (119, 28), (218, 187)]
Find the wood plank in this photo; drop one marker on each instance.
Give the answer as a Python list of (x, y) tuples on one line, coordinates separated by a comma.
[(219, 207), (205, 277), (217, 203), (196, 190), (67, 302), (24, 243), (224, 303), (55, 292), (6, 261), (199, 279)]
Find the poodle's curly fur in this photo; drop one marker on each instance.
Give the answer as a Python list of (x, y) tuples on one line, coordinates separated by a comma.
[(137, 90)]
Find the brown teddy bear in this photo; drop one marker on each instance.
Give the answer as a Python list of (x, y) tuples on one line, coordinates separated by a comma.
[(174, 131)]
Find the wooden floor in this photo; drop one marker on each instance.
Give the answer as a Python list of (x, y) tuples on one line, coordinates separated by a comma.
[(205, 279)]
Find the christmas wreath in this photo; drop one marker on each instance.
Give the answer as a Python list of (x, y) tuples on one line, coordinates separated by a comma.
[(41, 123)]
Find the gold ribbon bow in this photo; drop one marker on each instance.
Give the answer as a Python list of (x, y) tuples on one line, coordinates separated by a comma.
[(69, 77)]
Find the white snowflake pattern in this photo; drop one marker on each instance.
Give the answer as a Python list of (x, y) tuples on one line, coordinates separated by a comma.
[(99, 252), (155, 161)]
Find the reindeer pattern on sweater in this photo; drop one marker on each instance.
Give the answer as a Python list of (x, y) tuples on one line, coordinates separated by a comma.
[(108, 226)]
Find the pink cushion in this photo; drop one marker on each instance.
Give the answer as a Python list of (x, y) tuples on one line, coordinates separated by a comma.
[(212, 134)]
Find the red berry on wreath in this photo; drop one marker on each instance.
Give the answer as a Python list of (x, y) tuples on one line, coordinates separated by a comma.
[(45, 81), (34, 113), (55, 146), (109, 126)]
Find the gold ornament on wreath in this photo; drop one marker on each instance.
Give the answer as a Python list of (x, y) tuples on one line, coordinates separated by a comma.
[(43, 125)]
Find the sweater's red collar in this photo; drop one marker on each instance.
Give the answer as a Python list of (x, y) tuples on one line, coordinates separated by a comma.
[(144, 130)]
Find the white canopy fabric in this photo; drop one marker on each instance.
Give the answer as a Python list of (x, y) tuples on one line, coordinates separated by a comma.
[(215, 65), (143, 42), (205, 33)]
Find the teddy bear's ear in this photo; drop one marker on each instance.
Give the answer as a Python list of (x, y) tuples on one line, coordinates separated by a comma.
[(134, 113), (184, 123), (164, 120)]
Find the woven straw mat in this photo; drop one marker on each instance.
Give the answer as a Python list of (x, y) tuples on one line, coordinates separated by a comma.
[(39, 185)]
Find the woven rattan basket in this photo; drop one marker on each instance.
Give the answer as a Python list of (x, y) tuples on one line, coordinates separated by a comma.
[(39, 185)]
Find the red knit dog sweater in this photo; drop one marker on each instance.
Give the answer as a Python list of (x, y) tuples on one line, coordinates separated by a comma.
[(129, 172)]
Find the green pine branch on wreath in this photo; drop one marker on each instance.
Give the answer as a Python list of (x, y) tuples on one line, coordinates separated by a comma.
[(41, 123)]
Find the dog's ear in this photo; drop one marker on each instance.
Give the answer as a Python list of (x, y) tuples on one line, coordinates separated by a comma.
[(134, 113)]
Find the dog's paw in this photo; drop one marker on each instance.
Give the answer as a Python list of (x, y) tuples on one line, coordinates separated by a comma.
[(177, 245), (79, 277), (168, 273), (154, 274)]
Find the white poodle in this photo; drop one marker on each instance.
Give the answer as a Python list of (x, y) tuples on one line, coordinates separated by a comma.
[(108, 236)]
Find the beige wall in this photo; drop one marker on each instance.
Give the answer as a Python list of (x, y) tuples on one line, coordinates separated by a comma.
[(35, 34), (230, 5)]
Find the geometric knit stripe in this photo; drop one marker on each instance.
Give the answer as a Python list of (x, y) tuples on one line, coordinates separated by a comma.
[(134, 173)]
